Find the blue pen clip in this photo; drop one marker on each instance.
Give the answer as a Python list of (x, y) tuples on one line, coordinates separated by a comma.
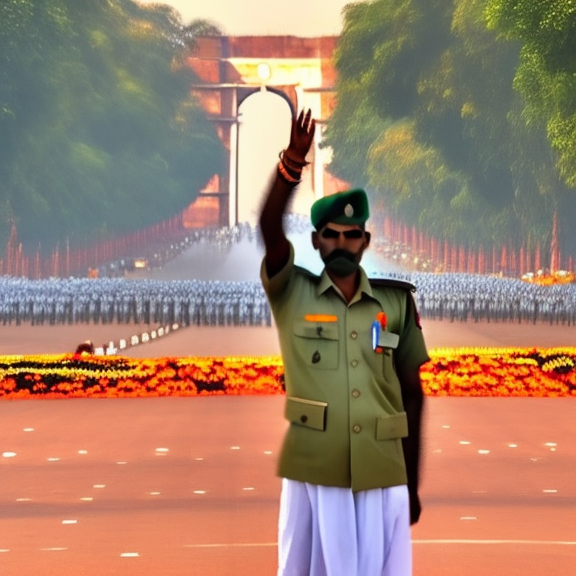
[(382, 339), (376, 329)]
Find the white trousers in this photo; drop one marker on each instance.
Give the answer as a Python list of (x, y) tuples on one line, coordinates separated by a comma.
[(328, 531)]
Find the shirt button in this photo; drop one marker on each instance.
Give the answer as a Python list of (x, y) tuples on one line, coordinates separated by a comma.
[(356, 428), (354, 363), (355, 393), (353, 334)]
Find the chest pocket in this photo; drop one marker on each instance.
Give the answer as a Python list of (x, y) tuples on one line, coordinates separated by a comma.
[(316, 344)]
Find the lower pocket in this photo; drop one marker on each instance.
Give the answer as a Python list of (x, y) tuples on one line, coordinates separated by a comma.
[(389, 427), (304, 412)]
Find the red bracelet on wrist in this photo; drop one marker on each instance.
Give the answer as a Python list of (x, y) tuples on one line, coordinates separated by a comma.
[(290, 162), (285, 175)]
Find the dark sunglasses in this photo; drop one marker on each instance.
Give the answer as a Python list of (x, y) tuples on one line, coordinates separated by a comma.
[(354, 234)]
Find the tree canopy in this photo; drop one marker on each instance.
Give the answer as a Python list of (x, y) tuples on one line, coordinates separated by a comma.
[(459, 116), (99, 132), (546, 74)]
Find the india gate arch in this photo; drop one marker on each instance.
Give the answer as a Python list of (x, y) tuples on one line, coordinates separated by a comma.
[(263, 128), (250, 86)]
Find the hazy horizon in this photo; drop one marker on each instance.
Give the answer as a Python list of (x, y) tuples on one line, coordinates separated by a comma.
[(307, 18)]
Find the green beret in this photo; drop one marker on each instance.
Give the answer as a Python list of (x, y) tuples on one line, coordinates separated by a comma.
[(350, 207)]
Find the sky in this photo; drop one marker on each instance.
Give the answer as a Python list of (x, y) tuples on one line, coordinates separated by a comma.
[(265, 17)]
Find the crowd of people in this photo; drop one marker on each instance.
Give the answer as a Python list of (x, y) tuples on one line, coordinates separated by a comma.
[(474, 297), (116, 300), (454, 297), (112, 299)]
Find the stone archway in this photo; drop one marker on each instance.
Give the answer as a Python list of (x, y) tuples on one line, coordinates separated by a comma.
[(284, 74)]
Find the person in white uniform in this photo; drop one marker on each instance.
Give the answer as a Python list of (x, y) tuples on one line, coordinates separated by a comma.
[(352, 349)]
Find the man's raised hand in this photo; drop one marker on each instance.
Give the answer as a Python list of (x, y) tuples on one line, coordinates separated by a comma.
[(301, 137)]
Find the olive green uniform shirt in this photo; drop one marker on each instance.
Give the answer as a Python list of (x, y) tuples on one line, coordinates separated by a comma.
[(343, 401)]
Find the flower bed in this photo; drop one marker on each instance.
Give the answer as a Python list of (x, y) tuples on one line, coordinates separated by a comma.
[(450, 372), (501, 372)]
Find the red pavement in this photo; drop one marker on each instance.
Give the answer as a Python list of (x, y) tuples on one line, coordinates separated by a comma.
[(261, 341), (179, 486), (186, 486)]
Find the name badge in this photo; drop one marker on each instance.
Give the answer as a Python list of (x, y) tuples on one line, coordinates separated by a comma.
[(382, 339)]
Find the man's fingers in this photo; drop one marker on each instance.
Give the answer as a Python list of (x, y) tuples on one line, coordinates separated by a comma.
[(302, 132), (304, 120), (312, 129)]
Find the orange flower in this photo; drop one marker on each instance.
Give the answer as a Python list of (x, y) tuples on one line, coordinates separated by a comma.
[(450, 372)]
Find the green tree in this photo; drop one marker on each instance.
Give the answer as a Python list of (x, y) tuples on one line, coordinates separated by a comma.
[(546, 75), (430, 118), (99, 132)]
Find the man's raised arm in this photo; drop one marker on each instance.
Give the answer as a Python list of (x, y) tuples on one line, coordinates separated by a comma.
[(287, 177)]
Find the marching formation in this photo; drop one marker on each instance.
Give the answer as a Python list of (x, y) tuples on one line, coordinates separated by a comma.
[(112, 299), (116, 300), (455, 297), (463, 297)]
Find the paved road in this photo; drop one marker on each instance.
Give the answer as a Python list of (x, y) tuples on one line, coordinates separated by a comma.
[(174, 486), (262, 341), (180, 486)]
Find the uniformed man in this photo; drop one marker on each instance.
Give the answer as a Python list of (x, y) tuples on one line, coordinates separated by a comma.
[(351, 350)]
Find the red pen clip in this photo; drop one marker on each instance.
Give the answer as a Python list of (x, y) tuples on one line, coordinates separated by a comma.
[(381, 317), (378, 326)]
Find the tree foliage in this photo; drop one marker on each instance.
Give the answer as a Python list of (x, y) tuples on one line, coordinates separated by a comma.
[(546, 75), (99, 133), (445, 114)]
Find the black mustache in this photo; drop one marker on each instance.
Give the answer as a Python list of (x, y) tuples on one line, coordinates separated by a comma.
[(340, 253)]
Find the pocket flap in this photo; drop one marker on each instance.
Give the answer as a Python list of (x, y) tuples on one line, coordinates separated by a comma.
[(322, 330), (309, 413), (389, 427)]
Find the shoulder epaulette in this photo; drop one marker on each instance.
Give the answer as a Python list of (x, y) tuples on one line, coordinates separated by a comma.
[(392, 283), (307, 273)]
